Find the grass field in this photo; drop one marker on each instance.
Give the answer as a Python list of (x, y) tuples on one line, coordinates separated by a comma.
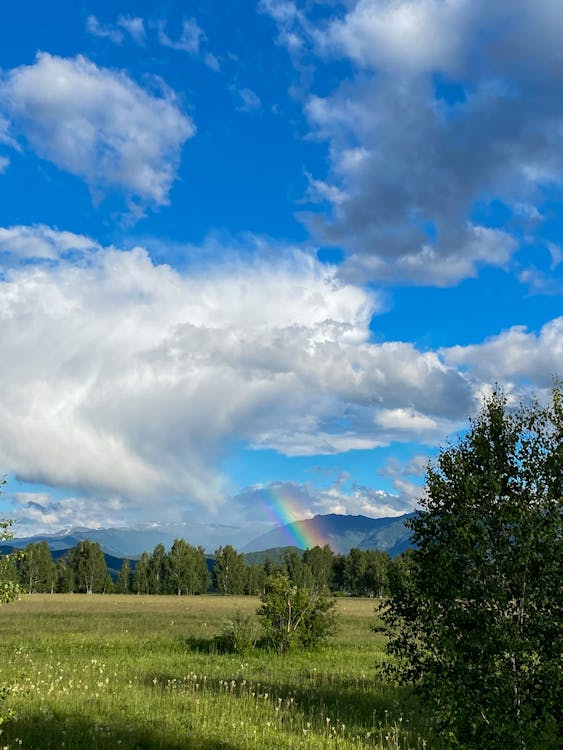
[(136, 672)]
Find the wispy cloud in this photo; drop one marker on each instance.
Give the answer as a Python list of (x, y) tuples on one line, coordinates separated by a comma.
[(250, 101)]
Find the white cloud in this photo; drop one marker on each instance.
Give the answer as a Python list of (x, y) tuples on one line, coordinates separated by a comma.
[(94, 27), (125, 378), (4, 164), (450, 106), (38, 513), (212, 62), (134, 26), (514, 356), (98, 124), (405, 35), (305, 501), (5, 138), (250, 101), (190, 38), (41, 241)]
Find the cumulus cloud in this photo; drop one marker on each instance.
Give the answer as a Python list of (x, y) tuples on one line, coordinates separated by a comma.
[(127, 378), (419, 36), (303, 500), (98, 124), (516, 355), (41, 242), (451, 105)]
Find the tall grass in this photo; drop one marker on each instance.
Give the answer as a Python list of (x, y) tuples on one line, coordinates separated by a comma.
[(140, 672)]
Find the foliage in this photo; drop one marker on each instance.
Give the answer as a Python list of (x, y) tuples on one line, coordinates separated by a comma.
[(124, 582), (293, 616), (37, 571), (238, 635), (229, 571), (9, 586), (187, 569), (9, 590), (141, 576), (89, 567), (476, 612)]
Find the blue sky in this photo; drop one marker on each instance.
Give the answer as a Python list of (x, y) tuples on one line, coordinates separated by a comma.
[(271, 242)]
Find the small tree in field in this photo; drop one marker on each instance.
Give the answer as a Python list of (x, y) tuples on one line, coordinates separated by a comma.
[(476, 616), (293, 616)]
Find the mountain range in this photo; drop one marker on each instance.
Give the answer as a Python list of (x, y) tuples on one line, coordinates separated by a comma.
[(340, 532)]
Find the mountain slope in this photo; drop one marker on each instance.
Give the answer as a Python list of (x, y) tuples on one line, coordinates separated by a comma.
[(341, 533), (132, 542)]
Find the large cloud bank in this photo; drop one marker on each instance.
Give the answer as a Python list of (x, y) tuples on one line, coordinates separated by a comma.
[(122, 376)]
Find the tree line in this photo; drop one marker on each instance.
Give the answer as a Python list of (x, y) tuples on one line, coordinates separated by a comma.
[(185, 570)]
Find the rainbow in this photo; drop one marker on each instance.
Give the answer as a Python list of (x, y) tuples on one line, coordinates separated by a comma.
[(282, 508)]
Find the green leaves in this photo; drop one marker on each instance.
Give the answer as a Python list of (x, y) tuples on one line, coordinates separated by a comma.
[(293, 616), (475, 618)]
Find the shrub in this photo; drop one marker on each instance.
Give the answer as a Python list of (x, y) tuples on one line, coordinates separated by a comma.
[(238, 636), (293, 616)]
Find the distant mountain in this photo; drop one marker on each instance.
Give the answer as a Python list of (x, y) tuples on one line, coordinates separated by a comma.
[(275, 554), (113, 563), (341, 533), (132, 542)]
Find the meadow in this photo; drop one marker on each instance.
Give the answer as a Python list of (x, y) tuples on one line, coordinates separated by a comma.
[(127, 672)]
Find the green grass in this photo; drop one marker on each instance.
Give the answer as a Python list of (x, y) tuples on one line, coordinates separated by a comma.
[(137, 672)]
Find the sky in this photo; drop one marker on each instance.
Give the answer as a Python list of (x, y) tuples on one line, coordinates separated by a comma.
[(260, 259)]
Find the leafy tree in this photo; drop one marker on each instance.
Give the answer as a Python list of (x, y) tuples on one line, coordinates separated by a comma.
[(355, 566), (187, 568), (319, 562), (124, 583), (338, 573), (157, 569), (141, 577), (366, 572), (89, 567), (255, 578), (476, 612), (65, 576), (9, 587), (36, 569), (272, 567), (229, 572), (294, 617)]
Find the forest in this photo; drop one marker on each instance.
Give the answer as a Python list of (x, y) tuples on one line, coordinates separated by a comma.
[(186, 570)]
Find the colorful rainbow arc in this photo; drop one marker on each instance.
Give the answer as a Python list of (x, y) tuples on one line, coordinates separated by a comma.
[(282, 508)]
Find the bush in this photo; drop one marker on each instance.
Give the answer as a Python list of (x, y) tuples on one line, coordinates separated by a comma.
[(293, 616), (238, 635)]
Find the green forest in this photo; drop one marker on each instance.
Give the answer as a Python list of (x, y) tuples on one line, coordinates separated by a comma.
[(186, 570)]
